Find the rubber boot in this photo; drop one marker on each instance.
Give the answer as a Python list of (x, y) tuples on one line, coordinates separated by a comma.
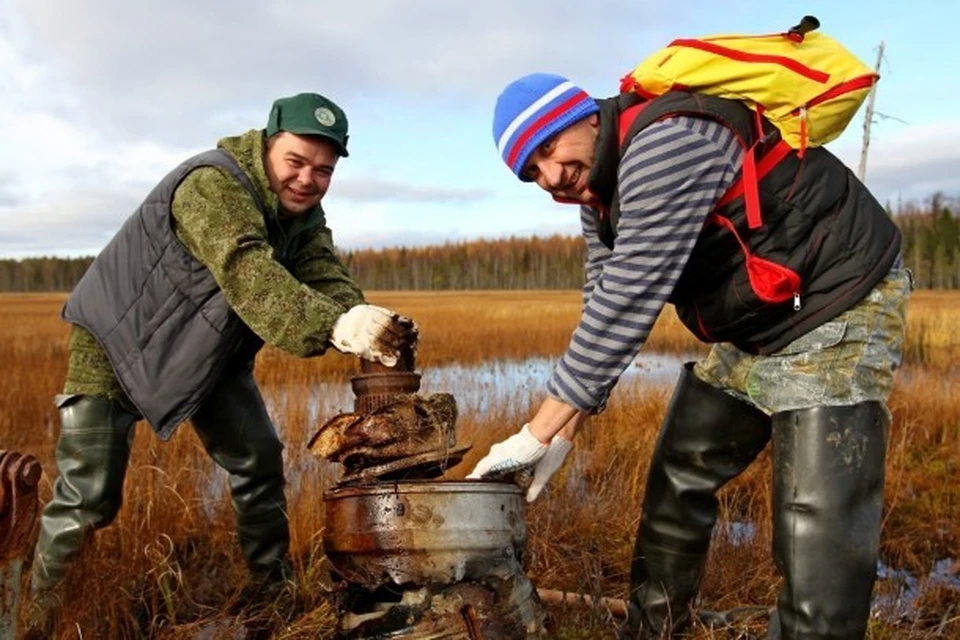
[(236, 431), (708, 437), (828, 479), (92, 455)]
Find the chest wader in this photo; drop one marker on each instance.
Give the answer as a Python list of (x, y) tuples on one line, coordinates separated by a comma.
[(236, 431), (92, 453), (828, 477), (708, 437)]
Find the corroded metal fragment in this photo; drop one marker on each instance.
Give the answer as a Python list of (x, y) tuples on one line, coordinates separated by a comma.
[(411, 432), (423, 532), (491, 608), (19, 506)]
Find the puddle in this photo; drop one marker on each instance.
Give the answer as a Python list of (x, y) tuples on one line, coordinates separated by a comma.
[(478, 389), (900, 605), (893, 604), (736, 532)]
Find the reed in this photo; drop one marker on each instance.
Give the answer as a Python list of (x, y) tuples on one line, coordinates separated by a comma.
[(169, 566)]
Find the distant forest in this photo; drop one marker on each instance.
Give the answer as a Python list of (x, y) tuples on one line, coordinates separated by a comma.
[(931, 247)]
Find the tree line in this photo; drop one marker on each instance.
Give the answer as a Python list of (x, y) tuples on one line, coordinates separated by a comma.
[(931, 248), (555, 262), (931, 242)]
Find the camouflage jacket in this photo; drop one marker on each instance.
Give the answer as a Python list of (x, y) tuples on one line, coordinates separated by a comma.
[(217, 221)]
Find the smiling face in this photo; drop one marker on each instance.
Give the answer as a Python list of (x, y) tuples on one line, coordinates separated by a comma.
[(561, 165), (299, 169)]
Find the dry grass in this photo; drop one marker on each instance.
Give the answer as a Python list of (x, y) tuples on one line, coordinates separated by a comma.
[(170, 566)]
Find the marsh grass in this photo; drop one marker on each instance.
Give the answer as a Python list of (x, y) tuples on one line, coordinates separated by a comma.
[(169, 567)]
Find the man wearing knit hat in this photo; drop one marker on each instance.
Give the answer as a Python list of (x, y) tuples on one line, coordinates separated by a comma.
[(806, 317), (229, 251)]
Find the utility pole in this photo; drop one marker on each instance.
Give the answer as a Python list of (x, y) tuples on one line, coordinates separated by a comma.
[(868, 120)]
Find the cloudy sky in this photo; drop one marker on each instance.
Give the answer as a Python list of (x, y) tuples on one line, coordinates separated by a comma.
[(100, 98)]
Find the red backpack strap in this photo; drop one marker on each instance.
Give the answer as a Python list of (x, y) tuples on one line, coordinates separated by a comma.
[(753, 172), (751, 186), (751, 189), (627, 118), (760, 169)]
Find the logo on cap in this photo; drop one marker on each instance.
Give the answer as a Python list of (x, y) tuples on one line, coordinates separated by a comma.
[(324, 116)]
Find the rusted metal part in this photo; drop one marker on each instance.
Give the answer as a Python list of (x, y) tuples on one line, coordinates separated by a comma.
[(413, 437), (19, 506), (422, 466), (375, 390), (393, 433), (378, 385), (19, 477), (488, 609), (423, 532), (469, 615), (415, 557)]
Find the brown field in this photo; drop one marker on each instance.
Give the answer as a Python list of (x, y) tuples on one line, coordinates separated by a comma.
[(169, 565)]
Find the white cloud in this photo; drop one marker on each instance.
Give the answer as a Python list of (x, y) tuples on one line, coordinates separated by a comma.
[(8, 194), (376, 190), (912, 162), (76, 222), (99, 99), (206, 52)]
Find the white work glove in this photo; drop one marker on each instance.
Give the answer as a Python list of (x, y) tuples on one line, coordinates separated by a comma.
[(518, 452), (374, 333), (548, 465)]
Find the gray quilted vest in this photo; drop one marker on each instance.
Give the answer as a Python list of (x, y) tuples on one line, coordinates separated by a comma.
[(157, 311)]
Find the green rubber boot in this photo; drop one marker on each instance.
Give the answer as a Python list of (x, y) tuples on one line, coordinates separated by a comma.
[(236, 431), (92, 454)]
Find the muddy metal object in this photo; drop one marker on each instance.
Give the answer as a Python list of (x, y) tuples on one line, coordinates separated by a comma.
[(487, 609), (422, 531), (431, 559), (378, 385), (393, 433), (19, 506), (410, 437), (414, 556)]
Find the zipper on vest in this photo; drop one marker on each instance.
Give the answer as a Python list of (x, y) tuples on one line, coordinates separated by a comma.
[(796, 301)]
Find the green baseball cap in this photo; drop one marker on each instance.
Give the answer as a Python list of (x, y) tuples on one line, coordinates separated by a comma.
[(309, 114)]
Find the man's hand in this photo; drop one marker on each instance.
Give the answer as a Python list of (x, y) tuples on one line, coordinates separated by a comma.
[(518, 452), (374, 333), (548, 465)]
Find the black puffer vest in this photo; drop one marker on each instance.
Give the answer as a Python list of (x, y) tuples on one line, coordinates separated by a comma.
[(157, 311), (818, 221)]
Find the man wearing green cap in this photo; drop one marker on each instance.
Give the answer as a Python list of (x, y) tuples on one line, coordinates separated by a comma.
[(230, 250)]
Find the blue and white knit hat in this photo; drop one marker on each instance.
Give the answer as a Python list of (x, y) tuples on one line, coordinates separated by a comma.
[(532, 109)]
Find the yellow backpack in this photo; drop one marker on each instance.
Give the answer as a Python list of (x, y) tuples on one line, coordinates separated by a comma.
[(805, 83)]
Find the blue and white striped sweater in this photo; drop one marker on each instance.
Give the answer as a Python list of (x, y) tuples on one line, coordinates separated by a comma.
[(670, 178)]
